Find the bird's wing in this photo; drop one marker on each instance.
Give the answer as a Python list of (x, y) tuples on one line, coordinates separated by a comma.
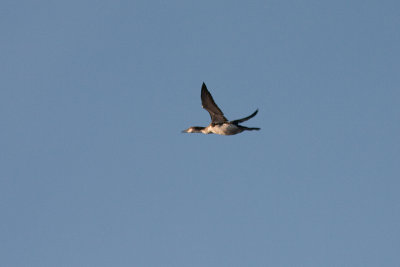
[(217, 116), (245, 119)]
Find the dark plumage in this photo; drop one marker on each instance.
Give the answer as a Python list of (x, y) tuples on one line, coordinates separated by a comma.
[(219, 123)]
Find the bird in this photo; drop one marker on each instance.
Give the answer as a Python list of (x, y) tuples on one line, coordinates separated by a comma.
[(219, 123)]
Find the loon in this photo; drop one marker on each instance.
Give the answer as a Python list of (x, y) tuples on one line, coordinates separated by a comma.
[(219, 123)]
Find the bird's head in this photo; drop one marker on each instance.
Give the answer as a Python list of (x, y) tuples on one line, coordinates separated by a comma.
[(193, 129)]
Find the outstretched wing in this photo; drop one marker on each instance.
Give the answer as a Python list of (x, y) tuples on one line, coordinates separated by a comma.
[(245, 119), (217, 116)]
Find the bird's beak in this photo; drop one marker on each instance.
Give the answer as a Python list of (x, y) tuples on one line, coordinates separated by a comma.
[(184, 131)]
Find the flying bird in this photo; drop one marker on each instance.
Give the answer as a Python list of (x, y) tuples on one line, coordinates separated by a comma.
[(219, 123)]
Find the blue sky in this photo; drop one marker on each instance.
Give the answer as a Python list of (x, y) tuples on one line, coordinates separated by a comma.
[(96, 172)]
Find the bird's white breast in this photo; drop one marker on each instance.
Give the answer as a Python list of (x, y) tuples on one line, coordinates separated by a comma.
[(224, 129)]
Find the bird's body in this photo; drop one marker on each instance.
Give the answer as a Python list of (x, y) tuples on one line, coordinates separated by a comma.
[(221, 129), (219, 123)]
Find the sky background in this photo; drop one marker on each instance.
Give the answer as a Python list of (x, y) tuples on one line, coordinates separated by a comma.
[(94, 169)]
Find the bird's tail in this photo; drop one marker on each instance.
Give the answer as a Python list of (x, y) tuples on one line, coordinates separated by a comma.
[(249, 128)]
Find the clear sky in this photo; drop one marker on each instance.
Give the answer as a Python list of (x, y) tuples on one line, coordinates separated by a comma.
[(94, 169)]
